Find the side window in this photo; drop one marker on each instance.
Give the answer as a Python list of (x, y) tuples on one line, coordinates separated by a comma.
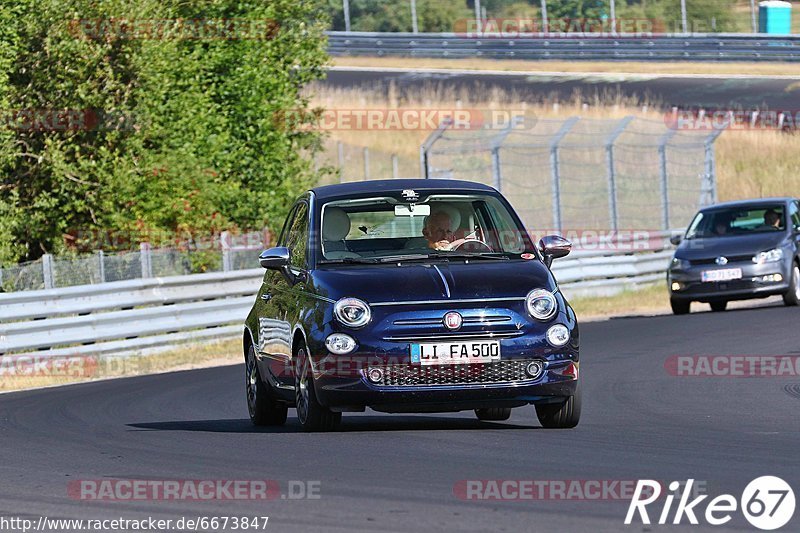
[(286, 225), (297, 236), (794, 212)]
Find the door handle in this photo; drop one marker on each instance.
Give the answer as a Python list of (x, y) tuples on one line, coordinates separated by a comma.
[(266, 296)]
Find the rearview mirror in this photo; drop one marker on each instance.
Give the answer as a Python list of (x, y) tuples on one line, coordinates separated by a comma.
[(275, 258), (412, 210), (676, 239), (553, 247)]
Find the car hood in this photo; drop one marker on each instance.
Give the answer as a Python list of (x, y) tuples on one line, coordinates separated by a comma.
[(729, 246), (433, 281)]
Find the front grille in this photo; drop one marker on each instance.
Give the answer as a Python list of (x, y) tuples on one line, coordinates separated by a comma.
[(511, 371), (713, 260)]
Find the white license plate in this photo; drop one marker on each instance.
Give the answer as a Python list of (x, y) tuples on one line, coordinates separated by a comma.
[(455, 353), (724, 274)]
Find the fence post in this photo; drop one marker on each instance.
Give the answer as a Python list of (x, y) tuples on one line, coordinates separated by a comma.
[(662, 160), (497, 177), (414, 27), (395, 167), (346, 9), (613, 215), (47, 270), (225, 245), (554, 171), (366, 164), (424, 164), (144, 258), (340, 156), (101, 266), (708, 191)]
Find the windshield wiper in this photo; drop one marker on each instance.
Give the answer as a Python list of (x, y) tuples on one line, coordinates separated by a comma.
[(469, 255), (351, 260)]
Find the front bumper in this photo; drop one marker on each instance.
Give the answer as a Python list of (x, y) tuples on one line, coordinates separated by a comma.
[(753, 284)]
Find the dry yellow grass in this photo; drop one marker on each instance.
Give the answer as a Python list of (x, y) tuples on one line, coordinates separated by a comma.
[(762, 69), (79, 369), (652, 299)]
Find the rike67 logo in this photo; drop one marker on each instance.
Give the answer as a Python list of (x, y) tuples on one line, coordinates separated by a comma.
[(767, 503)]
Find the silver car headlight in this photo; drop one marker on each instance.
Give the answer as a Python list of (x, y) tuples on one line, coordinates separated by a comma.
[(541, 304), (769, 256), (352, 312)]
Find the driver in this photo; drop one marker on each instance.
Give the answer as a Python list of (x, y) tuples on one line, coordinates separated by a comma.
[(438, 231)]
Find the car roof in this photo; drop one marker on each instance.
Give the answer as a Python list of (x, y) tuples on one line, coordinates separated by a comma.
[(750, 202), (359, 188)]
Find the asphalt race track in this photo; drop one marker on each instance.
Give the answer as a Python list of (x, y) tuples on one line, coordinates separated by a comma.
[(688, 92), (398, 472)]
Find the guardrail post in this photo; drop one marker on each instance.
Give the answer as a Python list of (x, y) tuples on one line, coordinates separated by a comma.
[(47, 271), (101, 267), (395, 167), (366, 164), (554, 170), (144, 258), (612, 178), (225, 245), (662, 160)]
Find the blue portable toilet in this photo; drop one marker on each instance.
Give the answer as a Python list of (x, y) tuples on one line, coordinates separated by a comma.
[(775, 16)]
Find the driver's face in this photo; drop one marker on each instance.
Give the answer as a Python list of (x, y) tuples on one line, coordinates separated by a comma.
[(437, 228)]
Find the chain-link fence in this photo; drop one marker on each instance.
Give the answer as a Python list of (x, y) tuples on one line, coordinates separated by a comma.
[(359, 163), (221, 253), (584, 173)]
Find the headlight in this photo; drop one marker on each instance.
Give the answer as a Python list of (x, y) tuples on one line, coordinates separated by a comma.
[(541, 304), (679, 264), (340, 344), (768, 257), (352, 312), (558, 335)]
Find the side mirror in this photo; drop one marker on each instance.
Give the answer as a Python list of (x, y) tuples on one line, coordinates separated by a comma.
[(553, 247), (676, 239), (275, 258)]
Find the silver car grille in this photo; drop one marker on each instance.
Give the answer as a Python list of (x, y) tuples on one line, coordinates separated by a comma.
[(512, 371)]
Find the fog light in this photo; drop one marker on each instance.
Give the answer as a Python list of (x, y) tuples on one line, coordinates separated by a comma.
[(375, 375), (558, 335), (535, 369), (676, 286), (772, 278), (340, 344)]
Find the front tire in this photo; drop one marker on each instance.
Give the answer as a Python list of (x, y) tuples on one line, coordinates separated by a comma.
[(312, 415), (263, 410), (792, 296), (493, 414), (718, 306), (563, 415), (680, 307)]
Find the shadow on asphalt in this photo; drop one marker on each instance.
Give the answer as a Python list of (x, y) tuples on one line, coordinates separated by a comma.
[(349, 424)]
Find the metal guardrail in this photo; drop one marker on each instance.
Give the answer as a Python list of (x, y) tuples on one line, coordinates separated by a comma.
[(622, 47), (124, 317)]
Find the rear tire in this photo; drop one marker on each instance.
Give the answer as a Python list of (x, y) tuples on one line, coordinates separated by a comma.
[(792, 296), (718, 306), (312, 415), (563, 415), (493, 413), (263, 409), (680, 307)]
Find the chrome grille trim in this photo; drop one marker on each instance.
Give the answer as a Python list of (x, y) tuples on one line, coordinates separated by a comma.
[(510, 372), (456, 335), (448, 302), (437, 321)]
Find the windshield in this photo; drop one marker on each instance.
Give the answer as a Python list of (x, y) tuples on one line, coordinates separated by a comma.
[(442, 225), (737, 221)]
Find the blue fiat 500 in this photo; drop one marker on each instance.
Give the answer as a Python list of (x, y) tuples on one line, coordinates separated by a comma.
[(410, 296)]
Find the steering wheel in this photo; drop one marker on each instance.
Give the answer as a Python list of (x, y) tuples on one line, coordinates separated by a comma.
[(472, 245)]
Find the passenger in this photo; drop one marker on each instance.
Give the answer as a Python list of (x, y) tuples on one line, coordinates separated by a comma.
[(772, 220)]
